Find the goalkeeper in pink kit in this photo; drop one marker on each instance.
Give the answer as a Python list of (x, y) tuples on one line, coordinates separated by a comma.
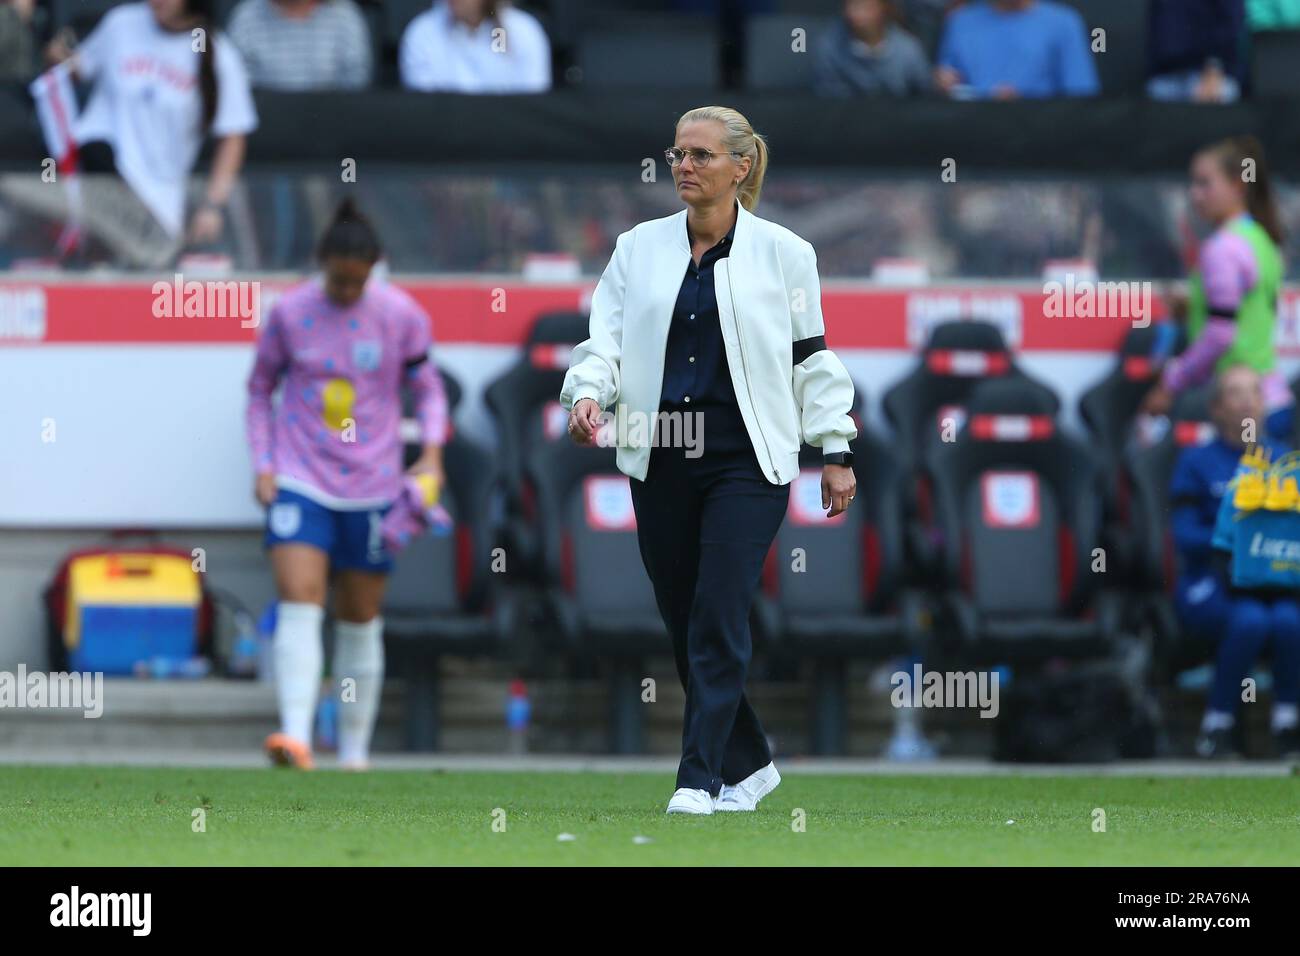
[(328, 465)]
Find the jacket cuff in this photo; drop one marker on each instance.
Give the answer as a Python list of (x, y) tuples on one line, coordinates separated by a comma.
[(585, 391), (834, 443)]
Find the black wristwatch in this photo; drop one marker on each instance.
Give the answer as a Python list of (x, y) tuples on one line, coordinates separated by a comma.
[(838, 458)]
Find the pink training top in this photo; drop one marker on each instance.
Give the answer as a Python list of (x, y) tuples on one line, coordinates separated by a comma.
[(334, 435), (1228, 271)]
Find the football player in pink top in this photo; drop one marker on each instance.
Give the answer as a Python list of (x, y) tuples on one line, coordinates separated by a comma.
[(328, 464)]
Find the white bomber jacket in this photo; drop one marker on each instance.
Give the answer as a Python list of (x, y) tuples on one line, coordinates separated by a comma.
[(790, 387)]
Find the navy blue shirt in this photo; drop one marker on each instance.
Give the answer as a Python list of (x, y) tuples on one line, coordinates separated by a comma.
[(696, 375), (1196, 489)]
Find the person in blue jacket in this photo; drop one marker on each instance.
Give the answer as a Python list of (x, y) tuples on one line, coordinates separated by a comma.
[(1238, 623)]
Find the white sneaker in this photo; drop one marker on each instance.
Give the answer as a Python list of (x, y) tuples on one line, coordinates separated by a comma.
[(691, 801), (746, 794)]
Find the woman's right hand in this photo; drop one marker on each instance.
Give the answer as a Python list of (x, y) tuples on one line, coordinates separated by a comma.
[(584, 419), (264, 489)]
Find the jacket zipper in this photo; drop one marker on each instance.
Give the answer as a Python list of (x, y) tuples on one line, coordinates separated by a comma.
[(740, 336)]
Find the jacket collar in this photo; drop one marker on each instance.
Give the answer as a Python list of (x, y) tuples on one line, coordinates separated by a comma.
[(739, 231)]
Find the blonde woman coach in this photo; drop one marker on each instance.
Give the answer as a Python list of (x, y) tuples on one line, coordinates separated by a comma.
[(710, 319)]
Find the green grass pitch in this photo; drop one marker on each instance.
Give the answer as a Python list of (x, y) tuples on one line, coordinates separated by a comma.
[(78, 816)]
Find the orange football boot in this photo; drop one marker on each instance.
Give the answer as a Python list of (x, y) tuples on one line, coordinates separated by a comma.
[(285, 751)]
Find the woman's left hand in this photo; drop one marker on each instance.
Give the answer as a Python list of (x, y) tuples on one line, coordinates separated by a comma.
[(838, 488)]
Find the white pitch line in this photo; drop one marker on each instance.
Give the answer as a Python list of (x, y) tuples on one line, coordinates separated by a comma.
[(582, 763)]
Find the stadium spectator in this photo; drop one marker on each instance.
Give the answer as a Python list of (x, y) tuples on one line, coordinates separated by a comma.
[(303, 44), (154, 99), (1238, 623), (1007, 49), (1193, 50), (17, 61), (475, 46), (1233, 292), (868, 52)]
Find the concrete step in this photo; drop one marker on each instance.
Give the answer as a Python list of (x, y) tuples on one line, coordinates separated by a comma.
[(569, 716)]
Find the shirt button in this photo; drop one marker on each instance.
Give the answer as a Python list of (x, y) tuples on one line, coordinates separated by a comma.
[(687, 399), (692, 315), (691, 359)]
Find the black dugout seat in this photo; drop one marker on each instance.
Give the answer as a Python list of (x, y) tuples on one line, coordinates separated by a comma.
[(517, 400), (1152, 468), (1017, 503), (1108, 410), (443, 599), (601, 598), (929, 404), (1151, 464), (832, 588)]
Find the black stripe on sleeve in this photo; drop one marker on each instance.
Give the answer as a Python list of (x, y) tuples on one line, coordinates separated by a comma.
[(414, 362), (1222, 312), (805, 348)]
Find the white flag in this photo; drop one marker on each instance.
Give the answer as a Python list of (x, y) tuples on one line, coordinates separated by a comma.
[(56, 108)]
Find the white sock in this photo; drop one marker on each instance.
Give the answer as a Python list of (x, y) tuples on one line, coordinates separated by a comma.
[(299, 658), (1217, 720), (1285, 716), (358, 657)]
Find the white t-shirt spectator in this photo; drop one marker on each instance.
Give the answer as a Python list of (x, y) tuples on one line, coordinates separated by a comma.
[(147, 105), (328, 49), (439, 53)]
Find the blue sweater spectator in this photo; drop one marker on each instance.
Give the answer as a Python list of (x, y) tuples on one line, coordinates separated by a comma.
[(1194, 50), (1007, 49)]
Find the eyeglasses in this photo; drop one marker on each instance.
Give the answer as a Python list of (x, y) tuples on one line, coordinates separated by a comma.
[(699, 157)]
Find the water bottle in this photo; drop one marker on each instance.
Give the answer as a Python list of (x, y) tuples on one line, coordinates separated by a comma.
[(245, 653), (165, 668), (518, 711), (327, 719)]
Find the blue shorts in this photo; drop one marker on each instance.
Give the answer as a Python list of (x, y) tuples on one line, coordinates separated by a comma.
[(352, 539)]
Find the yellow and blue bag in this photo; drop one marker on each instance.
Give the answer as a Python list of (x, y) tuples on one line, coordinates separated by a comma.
[(1259, 521), (111, 608)]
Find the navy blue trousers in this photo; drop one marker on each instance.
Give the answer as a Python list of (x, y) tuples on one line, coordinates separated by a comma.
[(1241, 625), (1256, 623), (704, 526)]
